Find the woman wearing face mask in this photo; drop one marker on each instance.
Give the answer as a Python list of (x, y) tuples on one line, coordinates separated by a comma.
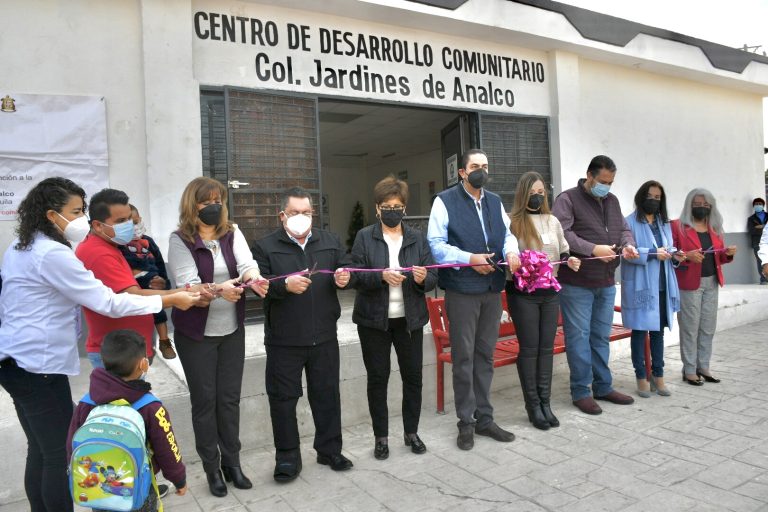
[(698, 236), (649, 291), (535, 313), (43, 285), (390, 310), (210, 339)]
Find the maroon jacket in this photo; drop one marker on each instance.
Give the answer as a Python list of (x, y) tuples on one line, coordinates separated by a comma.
[(166, 455), (588, 221)]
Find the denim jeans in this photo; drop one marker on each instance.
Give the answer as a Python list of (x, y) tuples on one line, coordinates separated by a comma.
[(657, 353), (43, 404), (587, 317)]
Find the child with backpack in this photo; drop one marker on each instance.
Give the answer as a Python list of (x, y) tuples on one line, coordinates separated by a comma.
[(121, 435), (146, 261)]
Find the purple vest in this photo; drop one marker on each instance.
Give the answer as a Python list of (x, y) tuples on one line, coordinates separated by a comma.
[(191, 323)]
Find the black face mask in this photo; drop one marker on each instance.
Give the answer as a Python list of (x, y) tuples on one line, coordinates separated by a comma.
[(535, 201), (477, 178), (210, 215), (700, 212), (651, 206), (392, 218)]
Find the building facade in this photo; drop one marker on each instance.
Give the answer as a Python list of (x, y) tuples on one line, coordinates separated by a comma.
[(335, 95)]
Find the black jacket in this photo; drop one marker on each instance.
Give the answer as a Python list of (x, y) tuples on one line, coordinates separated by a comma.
[(754, 232), (309, 318), (372, 300)]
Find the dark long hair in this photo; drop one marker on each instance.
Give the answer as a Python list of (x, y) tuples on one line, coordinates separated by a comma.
[(49, 194), (640, 196)]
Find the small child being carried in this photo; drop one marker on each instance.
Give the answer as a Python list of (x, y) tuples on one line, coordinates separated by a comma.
[(145, 259)]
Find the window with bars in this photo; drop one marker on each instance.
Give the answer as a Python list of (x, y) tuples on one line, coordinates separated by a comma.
[(273, 145), (514, 145)]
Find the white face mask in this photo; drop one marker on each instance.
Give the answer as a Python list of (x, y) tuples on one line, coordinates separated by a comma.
[(139, 230), (77, 229), (299, 225)]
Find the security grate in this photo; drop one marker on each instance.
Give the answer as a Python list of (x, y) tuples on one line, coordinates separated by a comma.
[(273, 145), (514, 145)]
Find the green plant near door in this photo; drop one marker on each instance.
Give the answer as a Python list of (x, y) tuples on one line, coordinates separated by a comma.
[(356, 223)]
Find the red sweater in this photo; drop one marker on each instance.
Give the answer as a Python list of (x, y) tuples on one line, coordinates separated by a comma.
[(166, 455)]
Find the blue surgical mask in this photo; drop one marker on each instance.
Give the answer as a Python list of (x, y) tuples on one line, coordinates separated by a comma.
[(600, 189), (123, 232), (758, 208)]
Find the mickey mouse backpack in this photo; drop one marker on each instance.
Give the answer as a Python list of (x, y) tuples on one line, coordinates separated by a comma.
[(111, 468)]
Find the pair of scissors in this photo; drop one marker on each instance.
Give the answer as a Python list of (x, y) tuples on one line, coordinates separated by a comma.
[(494, 264), (313, 271)]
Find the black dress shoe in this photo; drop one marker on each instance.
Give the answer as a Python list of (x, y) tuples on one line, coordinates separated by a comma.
[(337, 461), (162, 490), (496, 432), (466, 439), (235, 475), (286, 470), (697, 382), (381, 450), (707, 378), (216, 484), (417, 445)]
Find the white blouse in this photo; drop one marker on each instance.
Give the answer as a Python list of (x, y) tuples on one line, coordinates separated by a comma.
[(43, 288)]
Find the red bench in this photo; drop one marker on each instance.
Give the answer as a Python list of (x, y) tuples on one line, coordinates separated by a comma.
[(506, 347)]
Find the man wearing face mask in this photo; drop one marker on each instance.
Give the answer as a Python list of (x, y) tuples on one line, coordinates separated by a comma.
[(755, 224), (112, 227), (594, 228), (300, 333), (468, 224)]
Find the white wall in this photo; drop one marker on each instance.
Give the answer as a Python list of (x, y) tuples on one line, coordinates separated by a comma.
[(681, 133), (81, 47)]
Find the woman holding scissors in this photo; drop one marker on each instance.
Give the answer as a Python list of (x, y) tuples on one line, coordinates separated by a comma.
[(535, 313), (649, 292), (698, 235), (390, 309), (210, 339)]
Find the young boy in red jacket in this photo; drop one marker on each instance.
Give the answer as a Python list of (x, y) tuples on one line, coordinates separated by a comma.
[(125, 366)]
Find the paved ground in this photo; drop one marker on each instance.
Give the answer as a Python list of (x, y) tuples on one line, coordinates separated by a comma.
[(701, 449)]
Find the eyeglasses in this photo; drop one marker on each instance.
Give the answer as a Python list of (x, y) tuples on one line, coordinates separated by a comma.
[(392, 208), (292, 214)]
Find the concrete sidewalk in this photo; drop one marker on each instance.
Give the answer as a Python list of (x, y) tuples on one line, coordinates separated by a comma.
[(701, 449)]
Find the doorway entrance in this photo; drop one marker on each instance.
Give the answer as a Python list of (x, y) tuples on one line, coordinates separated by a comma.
[(260, 144)]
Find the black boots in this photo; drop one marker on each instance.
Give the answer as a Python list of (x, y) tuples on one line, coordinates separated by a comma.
[(536, 382), (216, 484), (235, 475), (526, 369), (544, 386)]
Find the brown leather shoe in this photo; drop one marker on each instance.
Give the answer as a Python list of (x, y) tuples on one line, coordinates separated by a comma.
[(167, 349), (617, 398), (587, 405)]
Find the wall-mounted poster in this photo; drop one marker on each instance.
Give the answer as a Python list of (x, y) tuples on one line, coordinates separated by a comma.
[(451, 170), (42, 136)]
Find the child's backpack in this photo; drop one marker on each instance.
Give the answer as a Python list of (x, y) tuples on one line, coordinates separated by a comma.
[(111, 468)]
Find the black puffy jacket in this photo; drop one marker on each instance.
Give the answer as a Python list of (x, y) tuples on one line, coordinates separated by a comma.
[(309, 318), (372, 301)]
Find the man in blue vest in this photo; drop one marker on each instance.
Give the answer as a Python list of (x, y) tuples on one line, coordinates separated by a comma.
[(468, 224)]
